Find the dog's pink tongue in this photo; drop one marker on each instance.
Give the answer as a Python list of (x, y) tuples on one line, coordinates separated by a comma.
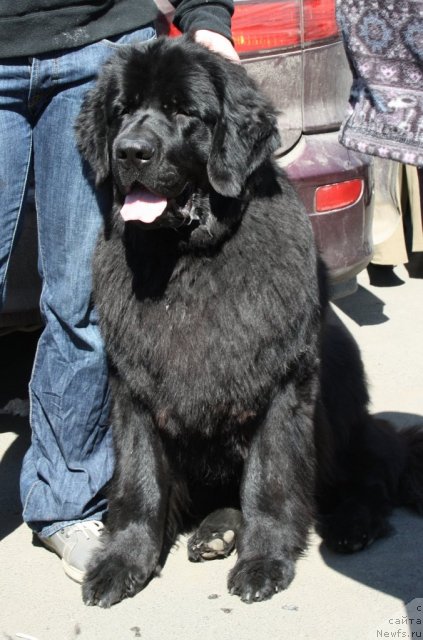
[(142, 205)]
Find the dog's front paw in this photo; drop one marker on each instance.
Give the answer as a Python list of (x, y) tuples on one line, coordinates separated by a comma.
[(111, 577), (259, 579)]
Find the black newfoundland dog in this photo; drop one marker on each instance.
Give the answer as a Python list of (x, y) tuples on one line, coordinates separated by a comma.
[(239, 403)]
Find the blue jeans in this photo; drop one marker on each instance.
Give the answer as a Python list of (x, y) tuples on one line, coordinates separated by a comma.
[(71, 457)]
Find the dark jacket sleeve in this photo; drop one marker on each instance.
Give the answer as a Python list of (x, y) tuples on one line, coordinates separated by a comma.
[(214, 15)]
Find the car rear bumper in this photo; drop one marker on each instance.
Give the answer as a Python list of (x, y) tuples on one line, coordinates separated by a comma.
[(343, 235)]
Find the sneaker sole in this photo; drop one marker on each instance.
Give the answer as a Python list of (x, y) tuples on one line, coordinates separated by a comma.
[(72, 572)]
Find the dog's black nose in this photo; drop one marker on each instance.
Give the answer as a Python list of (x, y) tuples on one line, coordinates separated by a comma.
[(135, 151)]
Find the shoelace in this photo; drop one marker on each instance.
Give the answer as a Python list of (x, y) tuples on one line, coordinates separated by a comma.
[(91, 526)]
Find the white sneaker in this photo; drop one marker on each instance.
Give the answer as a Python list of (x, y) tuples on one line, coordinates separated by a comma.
[(75, 544)]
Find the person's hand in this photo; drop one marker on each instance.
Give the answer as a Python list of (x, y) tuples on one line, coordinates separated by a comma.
[(216, 42)]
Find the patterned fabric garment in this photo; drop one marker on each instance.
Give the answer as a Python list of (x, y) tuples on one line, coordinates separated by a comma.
[(384, 44)]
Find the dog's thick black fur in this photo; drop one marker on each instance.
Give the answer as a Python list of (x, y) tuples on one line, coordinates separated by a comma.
[(215, 319)]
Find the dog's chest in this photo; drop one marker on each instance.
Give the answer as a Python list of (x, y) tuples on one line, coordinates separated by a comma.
[(214, 341)]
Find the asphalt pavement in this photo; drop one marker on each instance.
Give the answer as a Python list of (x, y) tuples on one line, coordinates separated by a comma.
[(377, 593)]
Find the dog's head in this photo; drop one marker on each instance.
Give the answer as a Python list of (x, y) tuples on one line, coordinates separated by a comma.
[(168, 118)]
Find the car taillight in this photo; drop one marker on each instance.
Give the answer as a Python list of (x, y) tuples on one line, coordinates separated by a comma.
[(263, 26), (267, 26), (319, 20), (338, 195)]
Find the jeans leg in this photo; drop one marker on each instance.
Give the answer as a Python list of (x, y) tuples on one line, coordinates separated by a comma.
[(71, 456), (15, 156)]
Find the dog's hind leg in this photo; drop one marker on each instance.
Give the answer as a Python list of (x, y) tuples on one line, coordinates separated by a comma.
[(359, 458), (216, 535), (354, 507)]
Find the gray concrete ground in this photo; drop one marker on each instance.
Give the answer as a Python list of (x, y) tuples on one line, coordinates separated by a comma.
[(364, 596)]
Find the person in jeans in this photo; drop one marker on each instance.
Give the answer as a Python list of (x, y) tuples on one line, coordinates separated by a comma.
[(50, 53)]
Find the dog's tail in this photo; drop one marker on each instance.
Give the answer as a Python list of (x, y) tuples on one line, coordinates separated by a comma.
[(410, 490)]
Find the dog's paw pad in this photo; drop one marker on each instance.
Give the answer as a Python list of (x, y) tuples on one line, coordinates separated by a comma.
[(216, 535), (229, 536), (216, 545)]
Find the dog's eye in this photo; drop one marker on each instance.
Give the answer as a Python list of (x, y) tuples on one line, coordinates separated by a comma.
[(173, 109), (127, 105), (170, 108), (119, 110)]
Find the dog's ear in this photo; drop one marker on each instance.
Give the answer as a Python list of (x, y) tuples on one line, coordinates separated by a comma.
[(245, 135), (91, 130)]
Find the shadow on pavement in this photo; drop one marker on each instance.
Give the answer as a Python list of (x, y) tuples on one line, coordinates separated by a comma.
[(16, 356), (391, 564), (363, 307), (10, 469)]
